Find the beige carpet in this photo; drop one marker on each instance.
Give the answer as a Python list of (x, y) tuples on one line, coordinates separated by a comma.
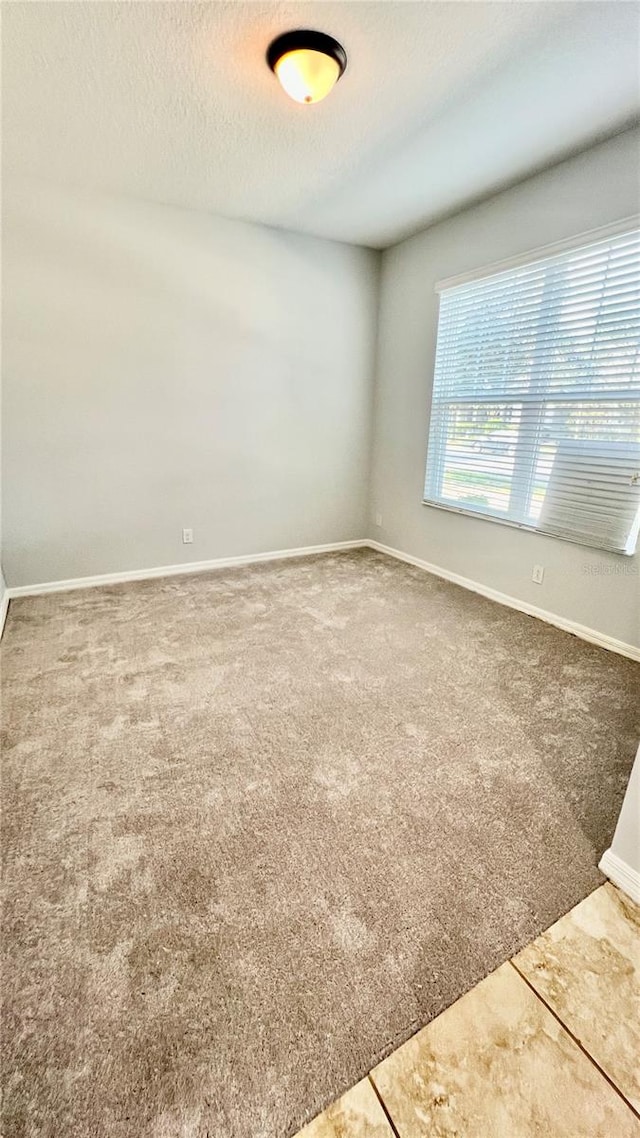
[(260, 825)]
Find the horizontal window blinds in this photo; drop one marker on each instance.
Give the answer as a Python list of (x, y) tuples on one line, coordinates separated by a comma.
[(535, 416)]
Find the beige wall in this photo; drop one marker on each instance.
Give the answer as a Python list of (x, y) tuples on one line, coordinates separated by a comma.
[(167, 369), (587, 586)]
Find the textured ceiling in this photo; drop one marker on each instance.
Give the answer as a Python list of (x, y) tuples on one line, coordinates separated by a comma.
[(442, 103)]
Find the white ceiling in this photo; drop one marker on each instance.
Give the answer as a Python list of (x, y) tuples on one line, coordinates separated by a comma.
[(442, 103)]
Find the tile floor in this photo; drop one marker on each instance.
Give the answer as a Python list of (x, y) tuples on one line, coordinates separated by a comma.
[(548, 1044)]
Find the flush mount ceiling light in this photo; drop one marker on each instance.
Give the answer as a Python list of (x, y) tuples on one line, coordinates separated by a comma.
[(308, 64)]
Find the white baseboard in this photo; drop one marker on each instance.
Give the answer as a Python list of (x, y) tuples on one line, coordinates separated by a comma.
[(4, 608), (621, 874), (177, 570), (581, 630)]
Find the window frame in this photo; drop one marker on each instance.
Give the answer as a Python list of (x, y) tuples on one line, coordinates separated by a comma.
[(529, 257)]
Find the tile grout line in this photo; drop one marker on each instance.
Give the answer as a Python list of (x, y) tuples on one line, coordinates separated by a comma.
[(575, 1040), (384, 1106)]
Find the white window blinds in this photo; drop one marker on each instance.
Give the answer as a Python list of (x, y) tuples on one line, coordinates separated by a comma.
[(535, 415)]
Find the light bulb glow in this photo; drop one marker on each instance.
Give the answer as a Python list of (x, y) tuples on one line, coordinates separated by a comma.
[(307, 76)]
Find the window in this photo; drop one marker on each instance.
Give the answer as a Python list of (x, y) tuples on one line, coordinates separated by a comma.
[(535, 416)]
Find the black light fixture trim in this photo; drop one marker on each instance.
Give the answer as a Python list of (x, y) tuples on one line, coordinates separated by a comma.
[(305, 40)]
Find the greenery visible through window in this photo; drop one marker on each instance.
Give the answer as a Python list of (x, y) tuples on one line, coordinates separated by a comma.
[(535, 415)]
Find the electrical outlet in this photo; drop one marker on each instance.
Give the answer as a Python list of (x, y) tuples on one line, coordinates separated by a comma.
[(378, 519), (538, 574), (187, 537)]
